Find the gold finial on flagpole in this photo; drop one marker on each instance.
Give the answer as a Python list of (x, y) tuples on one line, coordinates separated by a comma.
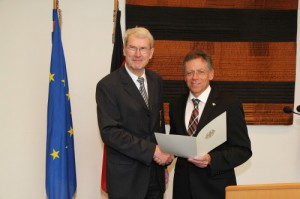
[(59, 15), (54, 7), (54, 4), (116, 8)]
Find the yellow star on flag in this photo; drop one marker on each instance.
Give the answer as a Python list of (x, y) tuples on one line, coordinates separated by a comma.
[(71, 132), (51, 77), (68, 95), (54, 154), (64, 82)]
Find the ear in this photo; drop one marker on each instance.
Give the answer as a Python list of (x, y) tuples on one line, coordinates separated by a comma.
[(211, 74), (124, 52), (151, 53), (185, 78)]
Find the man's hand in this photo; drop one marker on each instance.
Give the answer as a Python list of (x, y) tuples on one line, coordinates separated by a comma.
[(162, 158), (201, 161), (166, 176)]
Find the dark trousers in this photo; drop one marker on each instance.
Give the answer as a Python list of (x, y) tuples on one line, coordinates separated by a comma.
[(154, 189)]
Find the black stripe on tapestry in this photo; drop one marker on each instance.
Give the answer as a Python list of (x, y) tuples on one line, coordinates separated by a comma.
[(248, 92), (209, 24)]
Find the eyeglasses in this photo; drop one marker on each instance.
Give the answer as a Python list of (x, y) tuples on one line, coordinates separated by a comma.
[(134, 49), (197, 72)]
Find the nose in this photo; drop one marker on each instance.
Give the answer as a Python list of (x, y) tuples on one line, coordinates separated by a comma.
[(195, 75), (138, 52)]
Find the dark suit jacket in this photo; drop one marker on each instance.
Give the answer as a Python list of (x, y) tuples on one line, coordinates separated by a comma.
[(127, 128), (210, 182)]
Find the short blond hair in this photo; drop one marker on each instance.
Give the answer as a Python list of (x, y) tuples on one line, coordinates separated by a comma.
[(139, 32)]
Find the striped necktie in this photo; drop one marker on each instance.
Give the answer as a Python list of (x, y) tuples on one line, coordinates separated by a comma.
[(193, 123), (142, 90)]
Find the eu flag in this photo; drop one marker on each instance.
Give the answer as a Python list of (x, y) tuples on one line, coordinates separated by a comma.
[(60, 157)]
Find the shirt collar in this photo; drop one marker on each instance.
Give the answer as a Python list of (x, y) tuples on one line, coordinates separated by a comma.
[(133, 76), (203, 97)]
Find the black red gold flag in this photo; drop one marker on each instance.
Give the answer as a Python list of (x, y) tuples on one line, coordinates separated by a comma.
[(116, 62)]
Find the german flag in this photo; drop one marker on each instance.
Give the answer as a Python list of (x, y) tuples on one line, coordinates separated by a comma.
[(252, 43)]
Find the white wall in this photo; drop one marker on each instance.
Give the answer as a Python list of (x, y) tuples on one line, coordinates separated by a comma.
[(25, 50)]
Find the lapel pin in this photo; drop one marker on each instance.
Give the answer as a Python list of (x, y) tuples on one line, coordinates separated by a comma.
[(214, 104)]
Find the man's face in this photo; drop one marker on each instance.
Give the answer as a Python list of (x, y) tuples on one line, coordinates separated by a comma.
[(197, 75), (137, 53)]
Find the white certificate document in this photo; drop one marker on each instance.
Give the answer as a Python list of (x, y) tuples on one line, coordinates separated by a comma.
[(211, 136)]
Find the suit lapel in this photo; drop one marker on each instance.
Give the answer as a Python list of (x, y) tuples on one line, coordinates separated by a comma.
[(182, 109), (208, 110), (151, 89), (130, 87)]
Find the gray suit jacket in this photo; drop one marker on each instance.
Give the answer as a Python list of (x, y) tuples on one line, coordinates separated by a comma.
[(210, 182), (127, 128)]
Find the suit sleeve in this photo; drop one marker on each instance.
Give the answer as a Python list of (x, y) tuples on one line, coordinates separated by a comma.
[(172, 120), (237, 149), (112, 130)]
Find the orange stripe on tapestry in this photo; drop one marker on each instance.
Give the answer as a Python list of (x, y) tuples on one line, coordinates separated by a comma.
[(233, 61), (232, 4)]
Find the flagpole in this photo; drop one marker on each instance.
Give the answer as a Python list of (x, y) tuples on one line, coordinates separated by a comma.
[(116, 5), (54, 7), (116, 8)]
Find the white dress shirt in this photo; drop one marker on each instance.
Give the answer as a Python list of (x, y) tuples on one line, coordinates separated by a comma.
[(135, 78)]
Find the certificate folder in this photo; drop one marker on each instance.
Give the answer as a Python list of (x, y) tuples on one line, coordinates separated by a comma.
[(211, 136)]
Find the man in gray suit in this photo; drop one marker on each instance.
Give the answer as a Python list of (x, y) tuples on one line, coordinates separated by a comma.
[(130, 110)]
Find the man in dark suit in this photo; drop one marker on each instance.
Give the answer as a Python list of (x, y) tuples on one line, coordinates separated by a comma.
[(130, 110), (207, 176)]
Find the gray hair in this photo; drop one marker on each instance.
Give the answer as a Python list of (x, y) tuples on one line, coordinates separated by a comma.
[(194, 54)]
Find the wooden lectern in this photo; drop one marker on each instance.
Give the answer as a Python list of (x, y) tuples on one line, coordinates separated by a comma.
[(264, 191)]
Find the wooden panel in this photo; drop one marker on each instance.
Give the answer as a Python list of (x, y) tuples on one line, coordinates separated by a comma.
[(264, 191)]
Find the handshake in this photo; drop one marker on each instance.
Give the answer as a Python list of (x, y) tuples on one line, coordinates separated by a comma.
[(162, 158)]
